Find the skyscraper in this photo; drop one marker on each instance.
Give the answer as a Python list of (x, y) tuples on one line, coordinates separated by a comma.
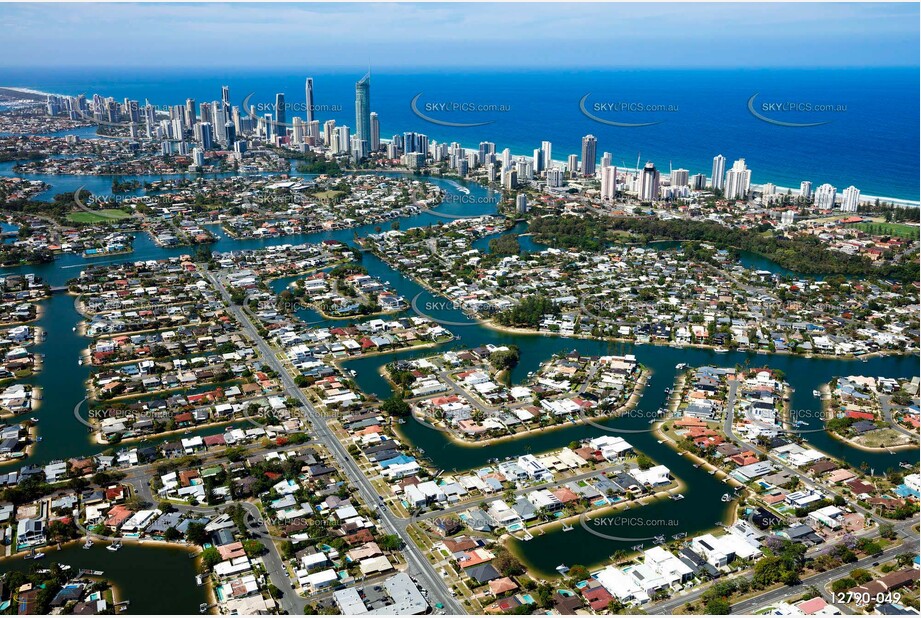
[(648, 189), (487, 149), (225, 96), (605, 160), (343, 140), (363, 108), (738, 181), (298, 133), (547, 147), (205, 112), (718, 173), (268, 124), (608, 182), (851, 199), (679, 178), (309, 89), (538, 160), (230, 133), (281, 115), (825, 197), (205, 135), (589, 144), (375, 132), (805, 189), (521, 203), (329, 129), (190, 113)]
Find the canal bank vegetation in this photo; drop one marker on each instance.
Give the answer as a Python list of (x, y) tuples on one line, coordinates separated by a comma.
[(799, 254)]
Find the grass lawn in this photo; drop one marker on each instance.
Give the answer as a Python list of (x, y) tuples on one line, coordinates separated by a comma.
[(107, 214), (328, 196), (899, 230), (881, 438)]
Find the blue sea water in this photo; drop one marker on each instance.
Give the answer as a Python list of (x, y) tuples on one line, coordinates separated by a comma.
[(871, 141)]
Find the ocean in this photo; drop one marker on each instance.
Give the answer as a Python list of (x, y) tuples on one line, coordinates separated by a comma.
[(869, 138)]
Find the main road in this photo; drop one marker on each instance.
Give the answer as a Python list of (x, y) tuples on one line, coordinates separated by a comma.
[(419, 565)]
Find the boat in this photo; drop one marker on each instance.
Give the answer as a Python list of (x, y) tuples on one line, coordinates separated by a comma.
[(562, 569), (720, 350), (39, 439), (88, 544), (677, 497), (726, 498), (33, 419), (681, 365), (80, 361), (816, 394), (115, 546), (566, 527), (202, 608)]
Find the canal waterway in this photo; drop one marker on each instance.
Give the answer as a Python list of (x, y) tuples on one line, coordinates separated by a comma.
[(62, 382)]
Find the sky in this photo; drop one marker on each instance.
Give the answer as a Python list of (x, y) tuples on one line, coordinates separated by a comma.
[(475, 35)]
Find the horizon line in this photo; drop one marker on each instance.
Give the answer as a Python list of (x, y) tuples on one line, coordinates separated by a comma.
[(461, 68)]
